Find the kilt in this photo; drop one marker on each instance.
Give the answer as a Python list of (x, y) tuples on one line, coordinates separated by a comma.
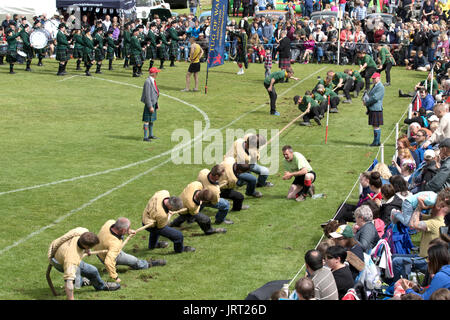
[(61, 54), (136, 59), (110, 54), (151, 53), (194, 67), (43, 51), (147, 116), (162, 53), (126, 50), (173, 49), (99, 54), (284, 63), (29, 51), (88, 57), (77, 53), (376, 118), (11, 57)]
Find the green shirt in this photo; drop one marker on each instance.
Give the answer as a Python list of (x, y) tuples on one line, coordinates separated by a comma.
[(435, 85), (386, 55), (305, 101), (61, 41), (367, 60), (135, 45), (338, 76), (279, 76), (78, 39), (25, 38), (298, 163), (329, 85), (358, 77)]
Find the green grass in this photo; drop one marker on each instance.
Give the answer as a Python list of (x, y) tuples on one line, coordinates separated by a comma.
[(55, 128)]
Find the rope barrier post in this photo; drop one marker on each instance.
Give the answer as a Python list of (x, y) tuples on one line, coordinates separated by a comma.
[(396, 138), (382, 153)]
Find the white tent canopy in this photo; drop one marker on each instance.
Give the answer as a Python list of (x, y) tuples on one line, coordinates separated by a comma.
[(28, 8)]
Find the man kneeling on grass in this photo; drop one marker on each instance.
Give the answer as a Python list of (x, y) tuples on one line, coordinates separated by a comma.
[(298, 167)]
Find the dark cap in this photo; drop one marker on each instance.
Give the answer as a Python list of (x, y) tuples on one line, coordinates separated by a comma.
[(61, 26), (445, 143)]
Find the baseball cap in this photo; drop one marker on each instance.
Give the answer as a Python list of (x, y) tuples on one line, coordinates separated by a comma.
[(154, 70), (433, 118), (343, 230), (375, 75), (429, 154)]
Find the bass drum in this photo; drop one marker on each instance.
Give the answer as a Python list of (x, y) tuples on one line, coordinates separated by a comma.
[(38, 39), (51, 29)]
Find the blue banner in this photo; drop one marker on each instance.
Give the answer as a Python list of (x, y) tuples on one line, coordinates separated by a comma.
[(219, 16)]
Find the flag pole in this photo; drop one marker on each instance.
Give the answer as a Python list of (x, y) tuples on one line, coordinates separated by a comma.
[(206, 83)]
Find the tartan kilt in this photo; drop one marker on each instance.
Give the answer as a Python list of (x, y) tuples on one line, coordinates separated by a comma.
[(151, 53), (110, 54), (99, 54), (77, 53), (136, 59), (173, 49), (11, 57), (40, 51), (29, 51), (61, 54), (162, 53), (376, 118), (284, 63), (126, 50), (147, 116), (88, 57)]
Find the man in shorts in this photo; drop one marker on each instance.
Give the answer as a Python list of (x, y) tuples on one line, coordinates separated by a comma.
[(195, 55), (298, 167)]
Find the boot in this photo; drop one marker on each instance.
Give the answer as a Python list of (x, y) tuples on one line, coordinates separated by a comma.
[(125, 64), (110, 64), (78, 65), (28, 65), (162, 64), (64, 68), (151, 63), (40, 62), (99, 66), (11, 69), (87, 70), (172, 63), (60, 67), (1, 60), (139, 70), (135, 72)]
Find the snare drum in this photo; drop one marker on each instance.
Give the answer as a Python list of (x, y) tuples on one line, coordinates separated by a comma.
[(3, 49), (38, 39)]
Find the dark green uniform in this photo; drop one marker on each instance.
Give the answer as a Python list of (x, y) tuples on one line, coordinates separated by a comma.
[(278, 76), (62, 46), (25, 36), (99, 51), (314, 110), (370, 69), (40, 52), (78, 46), (151, 47), (126, 47), (110, 50), (387, 61), (135, 55), (162, 49), (88, 55), (173, 47), (11, 56)]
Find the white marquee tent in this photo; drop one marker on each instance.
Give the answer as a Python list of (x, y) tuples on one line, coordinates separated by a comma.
[(28, 8)]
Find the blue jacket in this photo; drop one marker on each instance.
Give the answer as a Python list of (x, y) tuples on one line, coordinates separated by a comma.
[(375, 98), (428, 102), (440, 280)]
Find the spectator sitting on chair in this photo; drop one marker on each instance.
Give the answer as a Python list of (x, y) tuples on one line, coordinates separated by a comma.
[(304, 287), (441, 179), (365, 232), (324, 283), (443, 131), (335, 257)]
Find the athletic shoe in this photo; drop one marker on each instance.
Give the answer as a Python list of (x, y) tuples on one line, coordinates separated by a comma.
[(188, 249), (374, 144), (147, 139), (276, 113), (317, 120), (334, 110), (225, 221), (162, 244), (244, 207), (153, 137), (387, 84), (301, 198), (156, 263), (111, 286), (266, 184), (304, 123), (257, 194), (185, 90), (218, 230)]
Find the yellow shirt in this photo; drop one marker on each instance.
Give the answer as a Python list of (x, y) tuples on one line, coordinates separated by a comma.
[(154, 212), (433, 225), (195, 53), (66, 251), (240, 155), (110, 242), (187, 197), (228, 180), (215, 189)]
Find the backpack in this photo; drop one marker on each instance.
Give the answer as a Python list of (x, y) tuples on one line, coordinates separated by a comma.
[(398, 238)]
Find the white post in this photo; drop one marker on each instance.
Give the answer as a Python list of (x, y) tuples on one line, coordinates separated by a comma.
[(409, 117), (431, 85), (396, 138), (339, 36), (382, 153)]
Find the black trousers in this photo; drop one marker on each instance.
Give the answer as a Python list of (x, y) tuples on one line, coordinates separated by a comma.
[(334, 101), (235, 196), (313, 112), (273, 98), (366, 74), (202, 220), (346, 214), (357, 86), (348, 85), (387, 66)]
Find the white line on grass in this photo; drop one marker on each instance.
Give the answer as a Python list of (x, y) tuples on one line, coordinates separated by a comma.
[(205, 116), (90, 202), (68, 78)]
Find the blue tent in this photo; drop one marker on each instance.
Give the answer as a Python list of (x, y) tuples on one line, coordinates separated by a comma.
[(109, 4)]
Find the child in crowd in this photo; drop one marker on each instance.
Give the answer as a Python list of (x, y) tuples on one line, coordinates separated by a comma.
[(427, 198)]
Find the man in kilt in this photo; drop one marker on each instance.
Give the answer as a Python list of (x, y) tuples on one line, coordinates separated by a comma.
[(373, 100), (88, 55), (25, 36), (39, 52), (135, 53), (11, 55), (149, 97), (173, 43), (99, 49), (110, 48), (62, 49), (151, 44), (241, 55), (126, 44), (78, 47), (161, 47)]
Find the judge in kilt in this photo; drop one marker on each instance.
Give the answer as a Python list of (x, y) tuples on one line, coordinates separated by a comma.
[(99, 49), (373, 100), (88, 55), (151, 53), (62, 49), (39, 52), (27, 48), (149, 97), (110, 49), (241, 55), (162, 45), (78, 48), (11, 55), (136, 53), (284, 51)]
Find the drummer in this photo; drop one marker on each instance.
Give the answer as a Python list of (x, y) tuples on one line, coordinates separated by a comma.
[(40, 52), (27, 47), (11, 56)]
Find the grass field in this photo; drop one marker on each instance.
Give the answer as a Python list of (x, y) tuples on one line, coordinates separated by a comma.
[(72, 155)]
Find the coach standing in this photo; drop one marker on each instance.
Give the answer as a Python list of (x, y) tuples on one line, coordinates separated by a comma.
[(194, 67), (150, 95), (373, 100)]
